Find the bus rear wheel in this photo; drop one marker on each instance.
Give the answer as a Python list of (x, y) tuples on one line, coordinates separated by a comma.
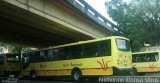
[(76, 75)]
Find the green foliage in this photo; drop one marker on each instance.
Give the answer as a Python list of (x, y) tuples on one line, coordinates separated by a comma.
[(139, 19), (12, 48)]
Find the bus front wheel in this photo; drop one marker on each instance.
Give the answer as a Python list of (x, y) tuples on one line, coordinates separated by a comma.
[(33, 75), (76, 75), (133, 71)]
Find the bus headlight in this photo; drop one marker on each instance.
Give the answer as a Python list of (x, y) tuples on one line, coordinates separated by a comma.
[(156, 57)]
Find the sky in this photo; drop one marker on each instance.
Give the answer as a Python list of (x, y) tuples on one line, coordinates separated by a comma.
[(100, 7)]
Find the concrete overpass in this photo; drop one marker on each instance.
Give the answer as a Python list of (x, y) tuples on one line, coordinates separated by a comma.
[(41, 23)]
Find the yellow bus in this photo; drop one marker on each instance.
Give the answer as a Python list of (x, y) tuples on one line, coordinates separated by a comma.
[(146, 62), (97, 57), (10, 64)]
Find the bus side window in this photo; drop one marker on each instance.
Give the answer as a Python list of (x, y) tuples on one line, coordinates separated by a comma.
[(50, 54), (34, 56), (68, 52), (55, 54), (76, 51), (152, 57), (90, 50), (104, 48), (26, 57), (138, 58), (43, 55), (62, 53), (143, 58)]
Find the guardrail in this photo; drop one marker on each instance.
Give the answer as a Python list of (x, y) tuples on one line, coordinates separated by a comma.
[(85, 8)]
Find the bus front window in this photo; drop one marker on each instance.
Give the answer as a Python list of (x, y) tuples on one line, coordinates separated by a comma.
[(123, 45)]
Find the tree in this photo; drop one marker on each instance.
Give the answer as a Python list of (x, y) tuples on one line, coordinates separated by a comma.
[(12, 48), (139, 19)]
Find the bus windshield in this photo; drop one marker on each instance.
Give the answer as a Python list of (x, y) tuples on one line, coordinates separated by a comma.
[(123, 45)]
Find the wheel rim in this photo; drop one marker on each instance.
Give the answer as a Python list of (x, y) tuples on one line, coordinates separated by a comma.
[(134, 72), (76, 76), (33, 75)]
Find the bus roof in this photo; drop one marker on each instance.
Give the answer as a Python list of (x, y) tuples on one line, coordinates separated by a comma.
[(145, 52), (82, 42), (87, 41)]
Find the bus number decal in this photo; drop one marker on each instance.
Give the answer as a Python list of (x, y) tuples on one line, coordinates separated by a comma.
[(103, 65)]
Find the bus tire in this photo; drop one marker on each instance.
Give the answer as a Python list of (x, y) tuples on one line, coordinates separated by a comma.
[(133, 72), (33, 75), (76, 75)]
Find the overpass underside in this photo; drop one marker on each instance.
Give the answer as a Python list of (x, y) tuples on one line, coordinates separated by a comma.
[(43, 23)]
